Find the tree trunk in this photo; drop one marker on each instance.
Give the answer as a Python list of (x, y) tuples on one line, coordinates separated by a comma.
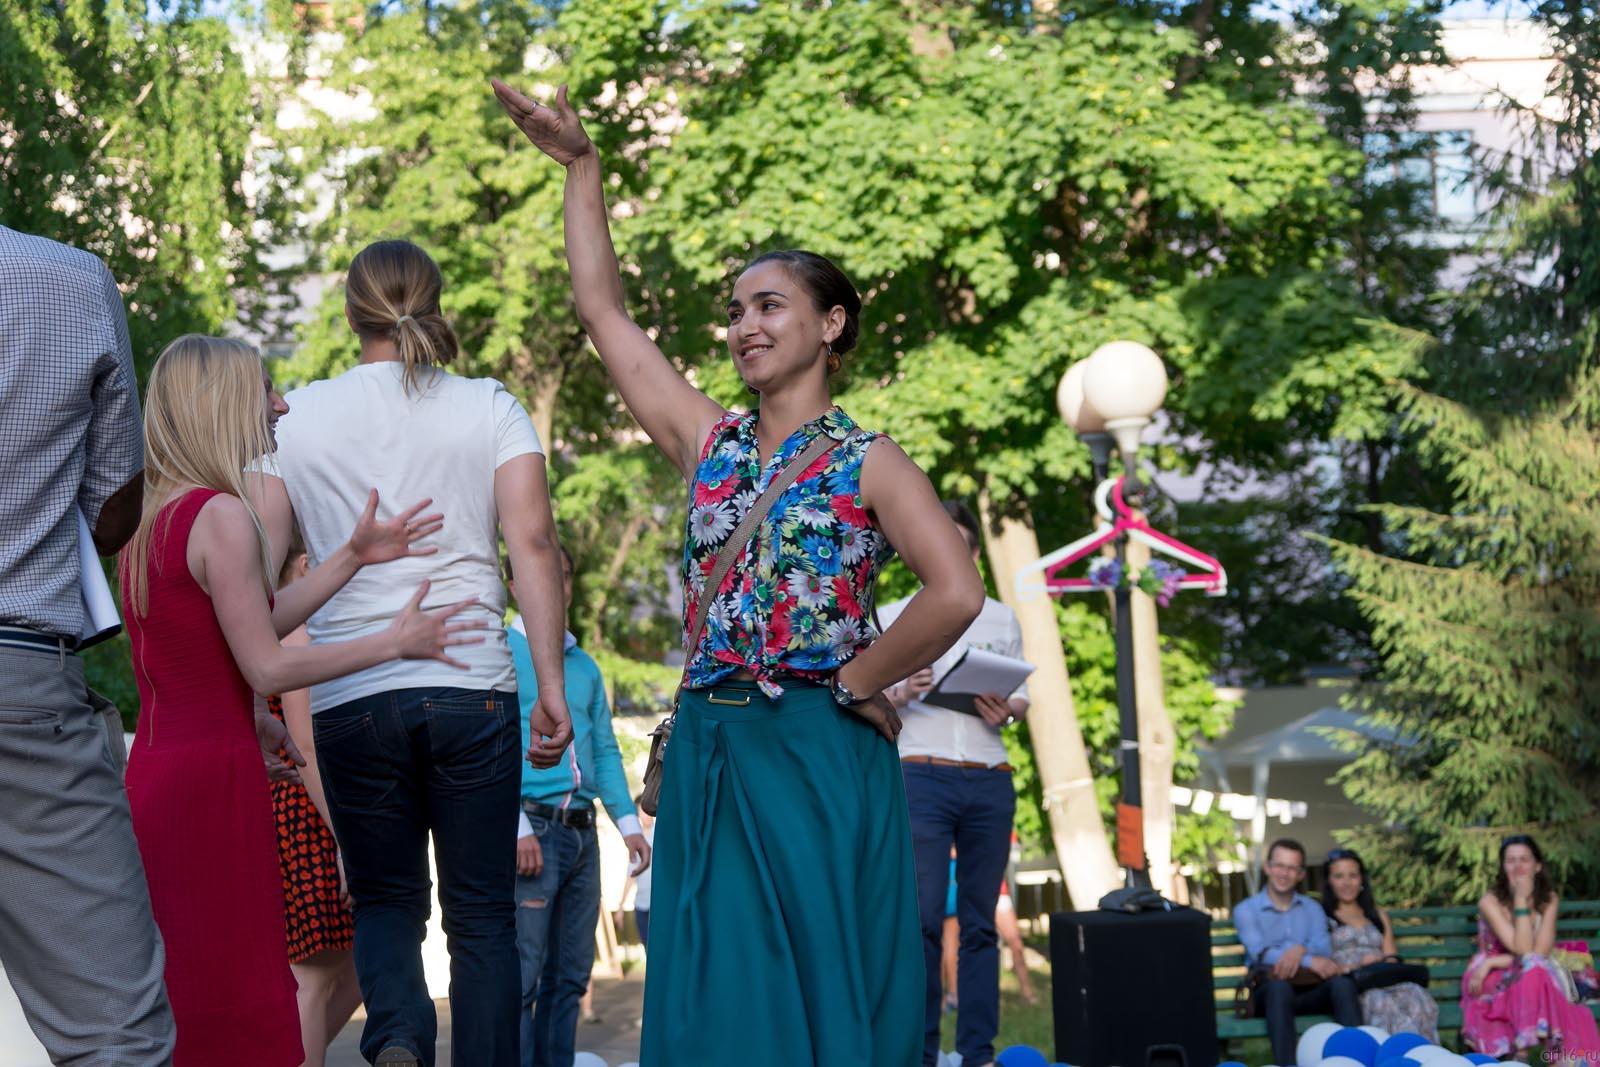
[(619, 559), (543, 389), (1158, 749), (1076, 829)]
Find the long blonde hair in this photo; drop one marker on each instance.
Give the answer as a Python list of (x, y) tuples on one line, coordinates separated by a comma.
[(392, 292), (205, 424)]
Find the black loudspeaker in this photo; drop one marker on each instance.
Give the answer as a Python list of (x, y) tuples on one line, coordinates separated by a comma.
[(1133, 990)]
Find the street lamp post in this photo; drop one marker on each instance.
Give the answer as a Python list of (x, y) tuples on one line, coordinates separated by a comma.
[(1114, 394)]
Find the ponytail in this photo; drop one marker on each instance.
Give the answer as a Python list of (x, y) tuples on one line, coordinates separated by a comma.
[(392, 291)]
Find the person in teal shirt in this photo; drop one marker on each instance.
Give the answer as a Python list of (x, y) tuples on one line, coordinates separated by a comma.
[(558, 857)]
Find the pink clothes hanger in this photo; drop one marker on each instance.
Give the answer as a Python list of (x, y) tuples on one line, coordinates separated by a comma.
[(1118, 520)]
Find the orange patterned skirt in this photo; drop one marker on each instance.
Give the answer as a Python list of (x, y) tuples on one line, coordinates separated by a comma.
[(308, 858)]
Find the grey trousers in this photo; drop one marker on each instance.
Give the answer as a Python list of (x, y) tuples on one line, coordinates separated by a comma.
[(76, 936)]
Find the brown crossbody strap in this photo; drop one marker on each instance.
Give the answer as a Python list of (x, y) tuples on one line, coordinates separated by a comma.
[(820, 445)]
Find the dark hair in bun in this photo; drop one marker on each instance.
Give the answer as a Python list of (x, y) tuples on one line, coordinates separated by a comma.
[(828, 288)]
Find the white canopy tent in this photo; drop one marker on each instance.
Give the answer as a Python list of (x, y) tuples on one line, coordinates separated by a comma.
[(1285, 738)]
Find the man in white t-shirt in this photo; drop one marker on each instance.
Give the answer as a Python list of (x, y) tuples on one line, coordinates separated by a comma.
[(418, 749), (958, 786)]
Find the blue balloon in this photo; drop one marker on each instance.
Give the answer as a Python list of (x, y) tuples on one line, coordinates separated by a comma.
[(1021, 1056), (1393, 1061), (1230, 1063), (1354, 1043), (1481, 1058), (1398, 1045)]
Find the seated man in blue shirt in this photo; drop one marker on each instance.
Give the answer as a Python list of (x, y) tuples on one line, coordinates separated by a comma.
[(1285, 934), (558, 858)]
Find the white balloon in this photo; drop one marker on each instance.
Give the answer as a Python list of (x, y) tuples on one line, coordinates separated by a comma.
[(588, 1059), (1341, 1061), (1378, 1032), (1308, 1053), (1427, 1054)]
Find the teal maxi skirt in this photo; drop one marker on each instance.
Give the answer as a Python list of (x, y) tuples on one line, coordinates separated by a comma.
[(783, 919)]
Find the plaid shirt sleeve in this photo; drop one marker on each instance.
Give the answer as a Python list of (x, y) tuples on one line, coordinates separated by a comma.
[(115, 445)]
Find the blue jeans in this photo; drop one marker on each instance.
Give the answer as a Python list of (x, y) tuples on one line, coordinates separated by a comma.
[(557, 911), (970, 809), (397, 766)]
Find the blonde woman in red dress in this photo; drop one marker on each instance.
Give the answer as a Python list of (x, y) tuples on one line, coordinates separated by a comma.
[(206, 636)]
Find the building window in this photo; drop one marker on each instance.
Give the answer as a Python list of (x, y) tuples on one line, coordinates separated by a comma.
[(1438, 164)]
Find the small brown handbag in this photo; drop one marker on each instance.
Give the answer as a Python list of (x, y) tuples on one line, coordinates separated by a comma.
[(820, 445)]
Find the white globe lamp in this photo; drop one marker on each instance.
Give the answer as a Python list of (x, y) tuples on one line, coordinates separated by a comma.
[(1125, 383), (1075, 411)]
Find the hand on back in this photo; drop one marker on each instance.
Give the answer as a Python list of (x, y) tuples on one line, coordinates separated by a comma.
[(395, 538), (420, 634)]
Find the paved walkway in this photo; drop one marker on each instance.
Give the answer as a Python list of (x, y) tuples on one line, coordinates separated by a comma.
[(614, 1038)]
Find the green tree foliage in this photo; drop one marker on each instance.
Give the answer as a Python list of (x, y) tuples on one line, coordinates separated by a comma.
[(1484, 607), (125, 129), (1491, 654), (1008, 191)]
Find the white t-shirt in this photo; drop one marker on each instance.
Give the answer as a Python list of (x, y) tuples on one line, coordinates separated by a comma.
[(348, 435), (929, 730)]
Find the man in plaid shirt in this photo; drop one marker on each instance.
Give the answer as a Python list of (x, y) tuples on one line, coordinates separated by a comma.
[(77, 939)]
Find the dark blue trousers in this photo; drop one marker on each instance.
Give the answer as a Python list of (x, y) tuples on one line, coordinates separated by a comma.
[(972, 810), (400, 766)]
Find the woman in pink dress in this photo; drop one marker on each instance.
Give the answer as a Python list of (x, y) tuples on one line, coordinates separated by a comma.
[(206, 637), (1512, 996)]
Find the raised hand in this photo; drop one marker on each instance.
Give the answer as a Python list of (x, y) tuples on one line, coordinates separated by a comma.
[(379, 542), (551, 728), (557, 131), (427, 634)]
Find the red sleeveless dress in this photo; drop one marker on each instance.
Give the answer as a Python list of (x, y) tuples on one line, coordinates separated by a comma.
[(202, 812)]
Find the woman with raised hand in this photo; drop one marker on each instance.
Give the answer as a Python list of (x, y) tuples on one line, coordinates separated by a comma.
[(1514, 997), (784, 924), (206, 637), (408, 751)]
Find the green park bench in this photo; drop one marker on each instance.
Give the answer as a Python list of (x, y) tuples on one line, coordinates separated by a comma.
[(1442, 938)]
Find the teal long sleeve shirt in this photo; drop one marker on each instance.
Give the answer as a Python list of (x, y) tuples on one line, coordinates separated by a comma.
[(591, 767)]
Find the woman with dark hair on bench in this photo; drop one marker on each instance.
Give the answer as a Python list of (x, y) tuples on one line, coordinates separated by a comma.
[(1364, 948), (1513, 996)]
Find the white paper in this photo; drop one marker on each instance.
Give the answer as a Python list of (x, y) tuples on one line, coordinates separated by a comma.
[(100, 618), (980, 671)]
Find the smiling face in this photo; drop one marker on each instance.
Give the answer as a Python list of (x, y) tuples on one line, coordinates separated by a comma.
[(276, 407), (1345, 877), (1285, 866), (776, 334)]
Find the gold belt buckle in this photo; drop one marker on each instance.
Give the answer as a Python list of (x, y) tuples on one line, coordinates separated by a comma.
[(742, 703)]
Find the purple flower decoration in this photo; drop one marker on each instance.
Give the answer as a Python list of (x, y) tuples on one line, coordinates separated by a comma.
[(1160, 580), (1105, 573)]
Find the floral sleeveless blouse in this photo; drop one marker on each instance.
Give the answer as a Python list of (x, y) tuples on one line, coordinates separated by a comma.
[(797, 602)]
